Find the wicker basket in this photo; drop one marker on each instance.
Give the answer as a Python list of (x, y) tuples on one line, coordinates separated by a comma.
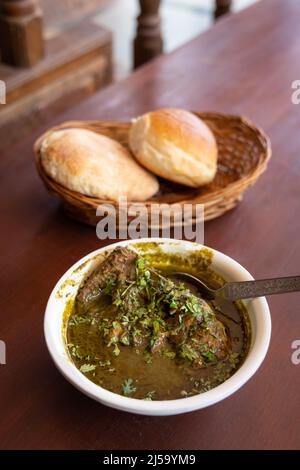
[(244, 151)]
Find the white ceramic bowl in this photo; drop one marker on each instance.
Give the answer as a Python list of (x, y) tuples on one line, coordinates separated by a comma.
[(67, 287)]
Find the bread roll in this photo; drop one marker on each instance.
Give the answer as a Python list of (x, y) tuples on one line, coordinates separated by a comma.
[(95, 165), (176, 145)]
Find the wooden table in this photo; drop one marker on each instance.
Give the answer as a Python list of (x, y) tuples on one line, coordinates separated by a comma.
[(245, 64)]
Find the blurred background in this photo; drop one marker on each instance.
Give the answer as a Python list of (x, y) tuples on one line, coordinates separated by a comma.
[(181, 21), (54, 53)]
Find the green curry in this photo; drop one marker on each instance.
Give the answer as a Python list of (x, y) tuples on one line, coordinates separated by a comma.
[(137, 331)]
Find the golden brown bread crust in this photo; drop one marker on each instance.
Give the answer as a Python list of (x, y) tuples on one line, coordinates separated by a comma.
[(176, 145), (95, 165)]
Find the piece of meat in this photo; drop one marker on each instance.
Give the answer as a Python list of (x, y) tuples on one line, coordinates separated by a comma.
[(141, 341), (117, 266), (148, 310), (114, 333), (211, 343), (199, 341), (160, 342)]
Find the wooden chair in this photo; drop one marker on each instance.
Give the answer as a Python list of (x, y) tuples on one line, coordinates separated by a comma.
[(148, 42)]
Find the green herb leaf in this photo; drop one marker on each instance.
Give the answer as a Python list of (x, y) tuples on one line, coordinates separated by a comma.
[(209, 355), (79, 320), (87, 368), (148, 357), (140, 264), (128, 387), (169, 354), (187, 352), (104, 363), (109, 286), (150, 396), (125, 340)]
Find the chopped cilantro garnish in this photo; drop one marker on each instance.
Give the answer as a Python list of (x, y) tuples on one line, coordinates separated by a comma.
[(148, 357), (87, 368), (187, 352), (128, 387), (104, 363), (80, 320), (210, 356), (109, 286), (169, 354), (125, 340), (150, 395), (140, 264)]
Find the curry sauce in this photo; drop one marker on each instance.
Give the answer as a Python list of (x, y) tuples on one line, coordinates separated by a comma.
[(136, 330)]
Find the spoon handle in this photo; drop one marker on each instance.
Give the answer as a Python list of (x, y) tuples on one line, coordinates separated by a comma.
[(249, 289)]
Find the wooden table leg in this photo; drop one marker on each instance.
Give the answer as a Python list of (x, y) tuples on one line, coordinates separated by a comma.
[(148, 42), (222, 7), (21, 32)]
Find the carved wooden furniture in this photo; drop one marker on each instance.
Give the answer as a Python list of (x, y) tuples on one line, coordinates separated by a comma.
[(222, 7), (45, 75), (21, 35), (148, 42)]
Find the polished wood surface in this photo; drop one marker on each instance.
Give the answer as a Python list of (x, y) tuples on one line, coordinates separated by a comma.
[(221, 70)]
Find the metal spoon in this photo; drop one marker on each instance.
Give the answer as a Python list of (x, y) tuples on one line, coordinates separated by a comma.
[(245, 289)]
